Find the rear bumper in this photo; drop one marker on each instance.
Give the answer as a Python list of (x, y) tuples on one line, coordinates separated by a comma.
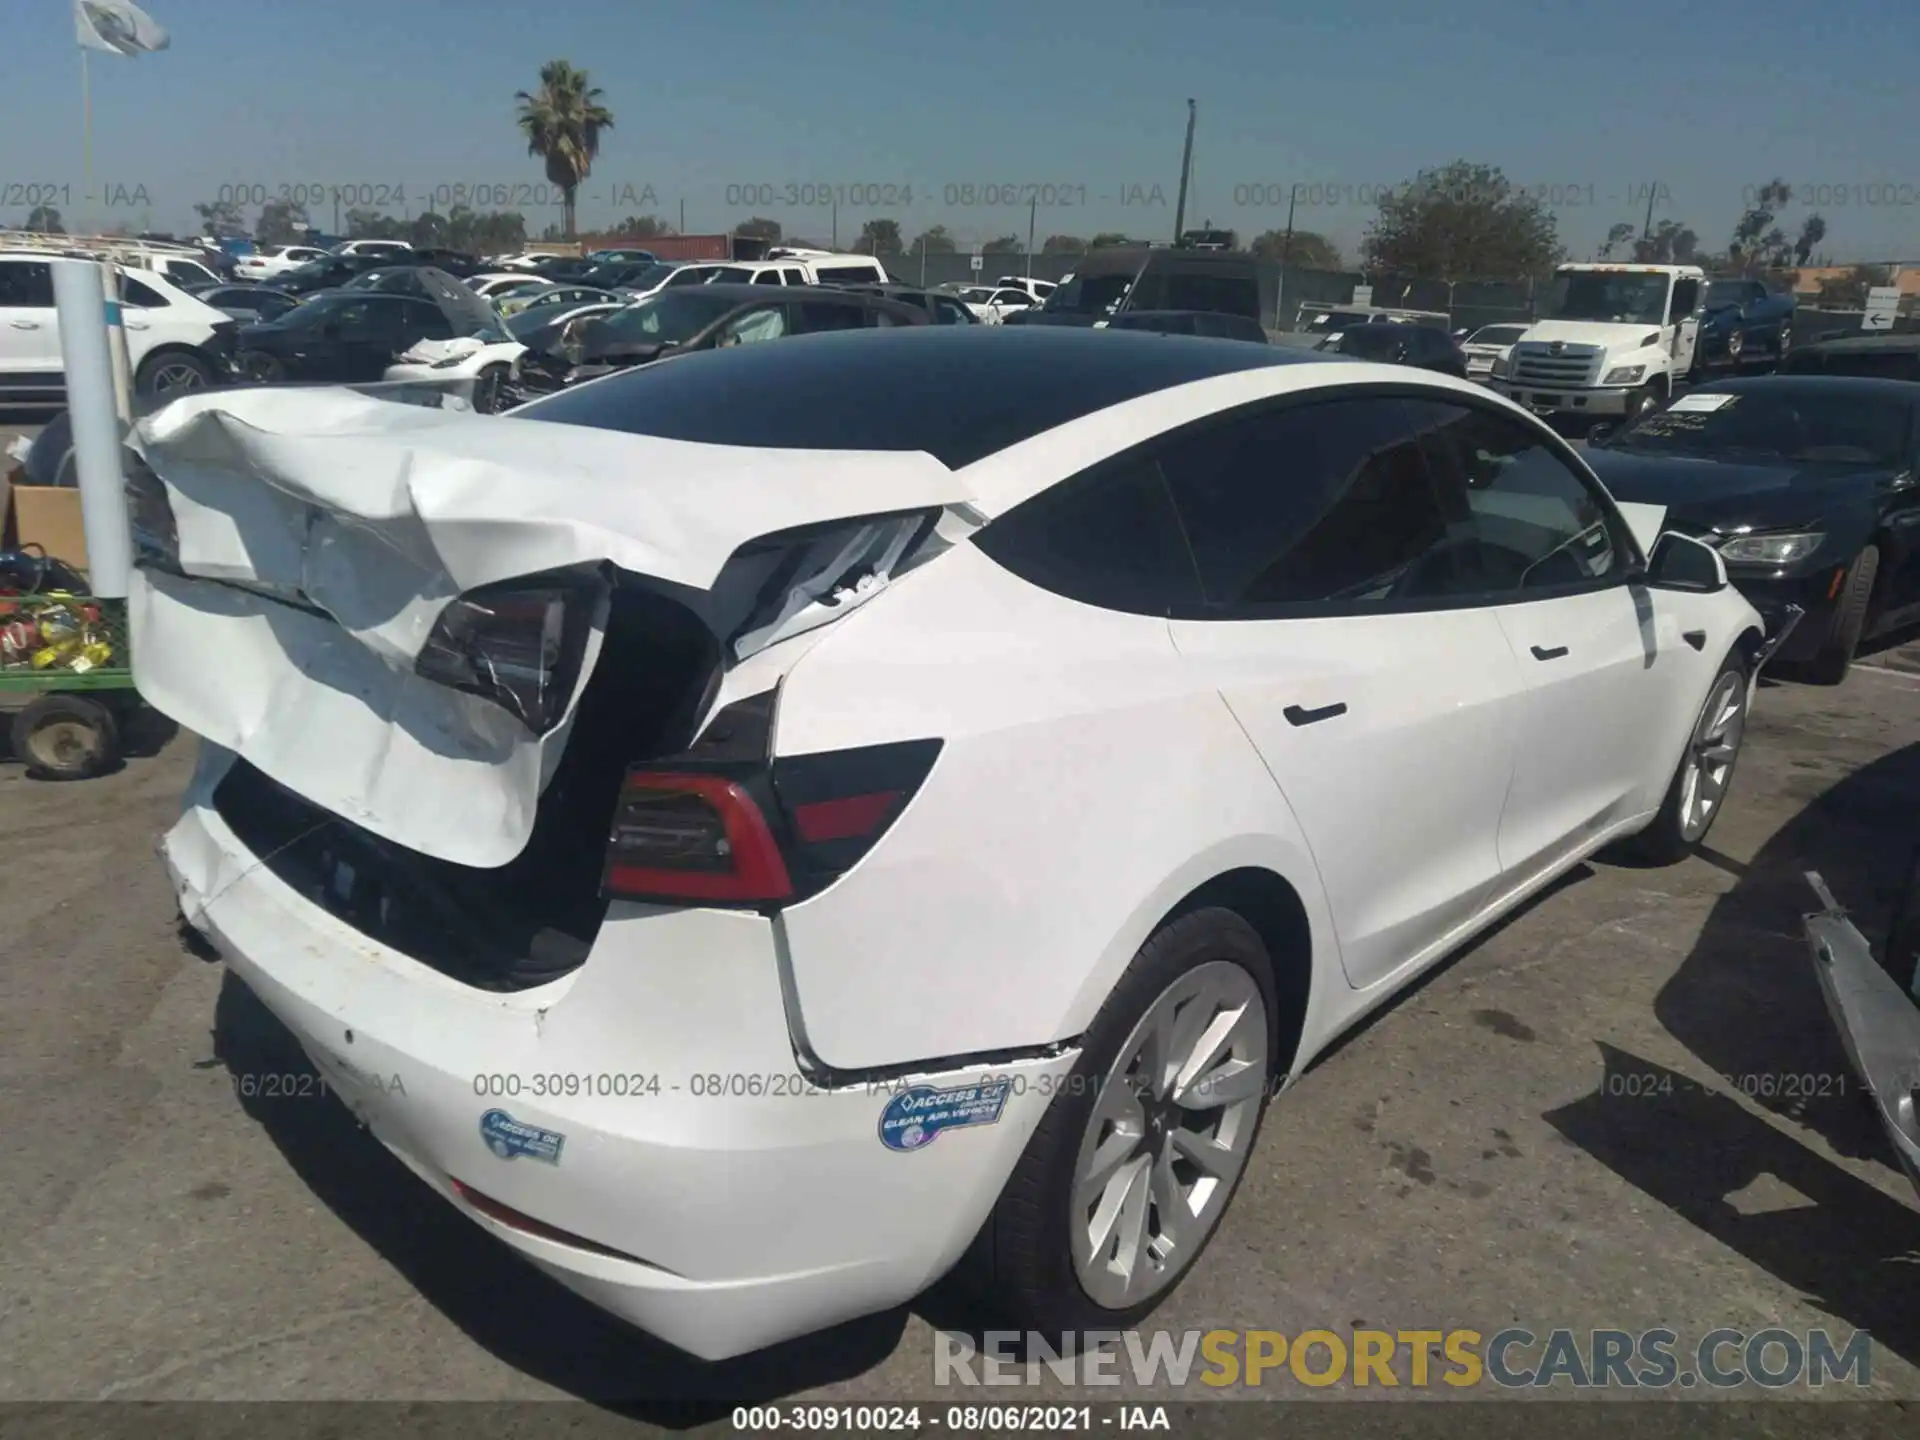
[(677, 1169)]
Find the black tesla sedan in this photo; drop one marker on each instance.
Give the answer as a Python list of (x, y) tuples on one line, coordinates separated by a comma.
[(352, 336), (1807, 487)]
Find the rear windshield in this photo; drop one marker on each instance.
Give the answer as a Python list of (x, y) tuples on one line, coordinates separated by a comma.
[(956, 392)]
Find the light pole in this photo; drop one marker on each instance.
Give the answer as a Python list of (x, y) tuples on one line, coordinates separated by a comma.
[(1286, 253), (1186, 169), (1033, 213)]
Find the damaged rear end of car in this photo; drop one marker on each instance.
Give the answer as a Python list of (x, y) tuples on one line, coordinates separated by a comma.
[(488, 814)]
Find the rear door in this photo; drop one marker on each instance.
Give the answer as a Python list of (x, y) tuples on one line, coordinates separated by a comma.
[(1387, 715), (29, 329), (1531, 537)]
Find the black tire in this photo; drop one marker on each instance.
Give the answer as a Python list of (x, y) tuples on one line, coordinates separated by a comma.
[(1641, 401), (173, 373), (256, 367), (1736, 348), (1782, 343), (1834, 658), (1666, 841), (487, 394), (66, 737), (1021, 1267)]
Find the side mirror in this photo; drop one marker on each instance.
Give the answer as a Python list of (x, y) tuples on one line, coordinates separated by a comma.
[(1680, 562)]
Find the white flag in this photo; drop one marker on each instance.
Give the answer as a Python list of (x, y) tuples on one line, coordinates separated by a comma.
[(117, 26)]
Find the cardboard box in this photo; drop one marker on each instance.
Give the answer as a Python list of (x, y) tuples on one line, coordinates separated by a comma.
[(47, 516)]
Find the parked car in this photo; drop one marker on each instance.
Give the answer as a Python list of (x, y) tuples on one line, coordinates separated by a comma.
[(1108, 281), (882, 643), (390, 250), (511, 305), (249, 303), (1206, 323), (175, 342), (624, 257), (1487, 348), (391, 280), (1422, 346), (500, 285), (354, 336), (1322, 322), (945, 309), (1742, 323), (274, 260), (330, 273), (976, 298), (717, 316), (1805, 485), (1038, 289), (482, 361), (1887, 357)]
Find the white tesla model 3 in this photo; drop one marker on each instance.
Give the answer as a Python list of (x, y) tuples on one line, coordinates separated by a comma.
[(758, 832)]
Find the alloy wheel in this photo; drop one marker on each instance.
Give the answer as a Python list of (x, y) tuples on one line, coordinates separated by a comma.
[(1711, 754), (1169, 1135), (176, 377)]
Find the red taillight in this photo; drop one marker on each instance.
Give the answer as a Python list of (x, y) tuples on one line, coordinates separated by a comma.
[(682, 836), (843, 819)]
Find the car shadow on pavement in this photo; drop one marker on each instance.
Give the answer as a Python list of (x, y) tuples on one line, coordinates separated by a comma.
[(501, 1302), (1746, 1003), (1850, 1248)]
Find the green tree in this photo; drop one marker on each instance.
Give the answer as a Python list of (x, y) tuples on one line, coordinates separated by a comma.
[(221, 219), (374, 225), (1671, 243), (934, 240), (1307, 249), (45, 220), (1063, 245), (1002, 245), (643, 227), (279, 223), (562, 122), (1759, 242), (760, 228), (494, 233), (1463, 221), (1108, 237), (880, 236), (1617, 235)]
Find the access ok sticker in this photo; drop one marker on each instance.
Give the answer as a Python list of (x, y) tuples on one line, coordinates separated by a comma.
[(1687, 404), (915, 1118)]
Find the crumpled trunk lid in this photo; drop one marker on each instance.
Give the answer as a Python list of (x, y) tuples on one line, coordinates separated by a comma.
[(317, 535)]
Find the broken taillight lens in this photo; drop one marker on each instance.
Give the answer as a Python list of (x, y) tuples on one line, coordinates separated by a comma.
[(518, 646)]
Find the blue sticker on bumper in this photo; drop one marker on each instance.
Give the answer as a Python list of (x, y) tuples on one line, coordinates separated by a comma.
[(510, 1138), (915, 1118)]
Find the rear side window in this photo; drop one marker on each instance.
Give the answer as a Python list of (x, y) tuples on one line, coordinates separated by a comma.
[(1324, 504), (136, 292), (1229, 294), (26, 284), (817, 315), (848, 274), (423, 319), (1107, 537)]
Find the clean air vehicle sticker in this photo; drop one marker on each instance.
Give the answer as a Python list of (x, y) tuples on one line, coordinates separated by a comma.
[(510, 1138), (914, 1118)]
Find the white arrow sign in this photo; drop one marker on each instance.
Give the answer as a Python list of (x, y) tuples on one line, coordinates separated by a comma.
[(1883, 302)]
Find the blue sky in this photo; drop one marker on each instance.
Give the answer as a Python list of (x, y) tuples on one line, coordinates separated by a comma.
[(1085, 97)]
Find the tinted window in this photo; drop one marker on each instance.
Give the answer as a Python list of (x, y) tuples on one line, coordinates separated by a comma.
[(1863, 364), (424, 321), (841, 274), (1234, 294), (137, 292), (951, 312), (956, 392), (26, 283), (1808, 424), (1108, 537), (1518, 518), (1315, 503), (817, 315), (1375, 342), (767, 277)]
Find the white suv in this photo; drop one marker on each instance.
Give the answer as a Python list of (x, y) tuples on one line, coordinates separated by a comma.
[(175, 343)]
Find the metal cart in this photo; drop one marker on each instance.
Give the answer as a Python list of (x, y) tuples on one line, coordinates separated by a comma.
[(66, 674)]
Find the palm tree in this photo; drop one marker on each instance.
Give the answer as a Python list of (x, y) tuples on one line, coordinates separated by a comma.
[(562, 121)]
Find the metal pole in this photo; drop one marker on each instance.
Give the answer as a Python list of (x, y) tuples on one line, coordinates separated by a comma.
[(1646, 230), (117, 343), (683, 214), (87, 356), (1033, 215), (86, 131), (1286, 255), (1186, 169)]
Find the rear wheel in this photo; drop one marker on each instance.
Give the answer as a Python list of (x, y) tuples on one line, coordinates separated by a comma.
[(173, 373), (1135, 1162), (65, 737), (1834, 658)]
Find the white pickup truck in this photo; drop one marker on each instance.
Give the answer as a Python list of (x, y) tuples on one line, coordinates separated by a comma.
[(1612, 341)]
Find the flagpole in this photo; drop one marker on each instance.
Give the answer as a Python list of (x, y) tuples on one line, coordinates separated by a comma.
[(86, 129)]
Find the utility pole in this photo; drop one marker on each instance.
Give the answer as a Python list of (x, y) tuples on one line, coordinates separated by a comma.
[(1033, 214), (683, 214), (1286, 253), (1646, 230), (1186, 170)]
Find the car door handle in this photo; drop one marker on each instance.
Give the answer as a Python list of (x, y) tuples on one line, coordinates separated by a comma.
[(134, 322), (1297, 716), (24, 324), (1539, 653)]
